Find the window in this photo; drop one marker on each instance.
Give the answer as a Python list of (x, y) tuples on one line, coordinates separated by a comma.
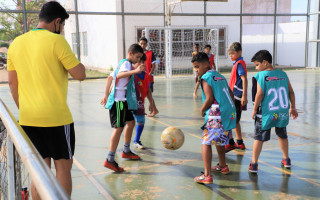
[(84, 51), (74, 43)]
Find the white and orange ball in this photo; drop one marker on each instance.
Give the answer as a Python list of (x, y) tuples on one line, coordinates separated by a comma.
[(172, 138)]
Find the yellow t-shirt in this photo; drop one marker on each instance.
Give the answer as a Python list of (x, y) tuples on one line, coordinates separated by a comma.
[(41, 59)]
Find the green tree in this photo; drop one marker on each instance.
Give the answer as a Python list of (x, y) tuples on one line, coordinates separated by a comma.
[(12, 23)]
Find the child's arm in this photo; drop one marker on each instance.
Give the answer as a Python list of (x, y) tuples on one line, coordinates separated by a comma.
[(257, 102), (244, 99), (107, 91), (214, 67), (231, 94), (153, 67), (209, 98), (292, 112), (125, 74)]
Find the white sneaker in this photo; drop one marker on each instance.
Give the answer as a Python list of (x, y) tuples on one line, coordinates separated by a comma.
[(138, 145)]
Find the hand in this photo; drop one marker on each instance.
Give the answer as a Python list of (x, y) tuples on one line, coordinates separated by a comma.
[(139, 69), (253, 115), (244, 101), (202, 113), (293, 113), (104, 100)]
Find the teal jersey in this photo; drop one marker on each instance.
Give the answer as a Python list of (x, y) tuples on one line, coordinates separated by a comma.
[(131, 92), (220, 89), (275, 103)]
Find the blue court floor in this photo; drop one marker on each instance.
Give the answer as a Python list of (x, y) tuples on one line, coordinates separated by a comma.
[(166, 174)]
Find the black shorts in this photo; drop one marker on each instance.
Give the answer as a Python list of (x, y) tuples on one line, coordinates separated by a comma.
[(53, 142), (119, 116), (264, 135), (151, 86), (237, 103)]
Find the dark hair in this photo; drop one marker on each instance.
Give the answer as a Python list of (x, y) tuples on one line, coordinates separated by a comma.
[(52, 10), (207, 46), (261, 56), (196, 44), (135, 48), (235, 46), (144, 57), (200, 57), (144, 39)]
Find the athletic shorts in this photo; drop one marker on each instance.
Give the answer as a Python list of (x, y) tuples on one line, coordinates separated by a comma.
[(264, 135), (141, 119), (237, 103), (151, 86), (53, 142), (215, 136), (120, 114)]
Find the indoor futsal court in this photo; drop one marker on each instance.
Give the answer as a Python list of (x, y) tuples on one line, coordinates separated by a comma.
[(168, 174)]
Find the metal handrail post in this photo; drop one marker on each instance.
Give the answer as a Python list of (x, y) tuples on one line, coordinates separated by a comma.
[(46, 184)]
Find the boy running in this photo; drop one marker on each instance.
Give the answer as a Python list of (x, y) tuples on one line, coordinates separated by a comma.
[(220, 116), (271, 93)]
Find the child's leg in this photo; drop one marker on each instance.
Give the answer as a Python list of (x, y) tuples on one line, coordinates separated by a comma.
[(238, 132), (257, 147), (140, 119), (207, 158), (150, 99), (196, 89), (128, 131), (115, 138), (222, 155), (284, 146)]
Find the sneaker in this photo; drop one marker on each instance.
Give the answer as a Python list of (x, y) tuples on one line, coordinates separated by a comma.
[(223, 170), (286, 163), (130, 156), (139, 145), (203, 179), (230, 147), (241, 146), (253, 167), (113, 166)]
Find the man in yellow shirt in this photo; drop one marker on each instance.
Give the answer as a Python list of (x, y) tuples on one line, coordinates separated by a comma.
[(38, 65)]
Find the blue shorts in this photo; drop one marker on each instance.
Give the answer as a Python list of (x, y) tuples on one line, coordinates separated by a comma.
[(141, 119), (151, 86), (215, 136)]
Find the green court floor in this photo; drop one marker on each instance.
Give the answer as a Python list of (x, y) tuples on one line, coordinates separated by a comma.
[(166, 174)]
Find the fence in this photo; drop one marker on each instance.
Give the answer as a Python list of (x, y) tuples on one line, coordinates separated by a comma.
[(20, 162)]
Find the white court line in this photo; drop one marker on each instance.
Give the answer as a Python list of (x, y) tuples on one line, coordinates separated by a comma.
[(93, 180)]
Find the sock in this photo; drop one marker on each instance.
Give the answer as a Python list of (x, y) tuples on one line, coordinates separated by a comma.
[(139, 130), (231, 141), (240, 142), (110, 157), (126, 148)]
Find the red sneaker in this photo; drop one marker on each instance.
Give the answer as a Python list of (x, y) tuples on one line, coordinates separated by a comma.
[(130, 156), (230, 147), (253, 167), (286, 163), (113, 165), (223, 170), (241, 146), (204, 179)]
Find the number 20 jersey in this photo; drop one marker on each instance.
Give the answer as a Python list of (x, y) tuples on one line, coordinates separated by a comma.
[(275, 103)]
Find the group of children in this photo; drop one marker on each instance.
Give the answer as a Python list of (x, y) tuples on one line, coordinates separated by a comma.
[(222, 104), (133, 82), (274, 102)]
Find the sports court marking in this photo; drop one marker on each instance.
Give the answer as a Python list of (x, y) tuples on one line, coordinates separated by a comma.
[(93, 180)]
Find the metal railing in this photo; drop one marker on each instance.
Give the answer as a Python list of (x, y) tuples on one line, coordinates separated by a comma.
[(46, 184)]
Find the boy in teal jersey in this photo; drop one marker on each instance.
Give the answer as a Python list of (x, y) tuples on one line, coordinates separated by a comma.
[(271, 93), (220, 116), (120, 102)]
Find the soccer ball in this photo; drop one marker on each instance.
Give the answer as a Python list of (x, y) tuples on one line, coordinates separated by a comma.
[(172, 138)]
